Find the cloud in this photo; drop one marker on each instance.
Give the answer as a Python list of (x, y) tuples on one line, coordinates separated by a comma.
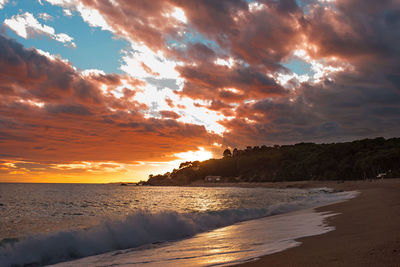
[(3, 3), (229, 55), (227, 84), (198, 66), (169, 114), (262, 36), (67, 12), (93, 17), (45, 16), (26, 26), (45, 103), (328, 112), (64, 3), (89, 15)]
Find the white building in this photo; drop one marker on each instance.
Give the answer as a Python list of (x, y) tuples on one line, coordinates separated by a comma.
[(212, 178), (381, 175)]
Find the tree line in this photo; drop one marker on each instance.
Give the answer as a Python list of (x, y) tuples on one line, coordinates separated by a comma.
[(361, 159)]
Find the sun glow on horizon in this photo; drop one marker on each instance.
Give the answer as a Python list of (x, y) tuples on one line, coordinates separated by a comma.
[(110, 91), (98, 172), (199, 155), (179, 15)]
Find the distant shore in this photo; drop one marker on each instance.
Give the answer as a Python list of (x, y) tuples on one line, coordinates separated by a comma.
[(367, 229), (291, 184)]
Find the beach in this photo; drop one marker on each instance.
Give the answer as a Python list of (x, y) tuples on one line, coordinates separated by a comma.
[(306, 229), (204, 223), (367, 230)]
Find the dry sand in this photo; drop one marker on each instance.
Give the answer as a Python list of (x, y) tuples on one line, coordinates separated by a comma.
[(367, 229)]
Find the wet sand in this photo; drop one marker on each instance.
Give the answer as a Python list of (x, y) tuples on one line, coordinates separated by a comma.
[(367, 229)]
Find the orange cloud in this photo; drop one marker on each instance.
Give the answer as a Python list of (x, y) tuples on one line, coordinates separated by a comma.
[(54, 116), (225, 59)]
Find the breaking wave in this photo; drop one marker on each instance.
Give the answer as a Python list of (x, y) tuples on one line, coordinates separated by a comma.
[(143, 228)]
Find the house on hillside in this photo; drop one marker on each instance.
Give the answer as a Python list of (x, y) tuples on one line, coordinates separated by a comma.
[(212, 178), (381, 175)]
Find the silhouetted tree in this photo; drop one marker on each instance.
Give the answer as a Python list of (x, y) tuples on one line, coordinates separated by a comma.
[(185, 164), (227, 153), (195, 164), (235, 152), (361, 159)]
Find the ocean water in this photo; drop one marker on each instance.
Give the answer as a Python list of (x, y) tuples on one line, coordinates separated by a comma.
[(45, 224), (234, 244)]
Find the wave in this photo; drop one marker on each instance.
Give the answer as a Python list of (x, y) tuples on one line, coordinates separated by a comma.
[(142, 228)]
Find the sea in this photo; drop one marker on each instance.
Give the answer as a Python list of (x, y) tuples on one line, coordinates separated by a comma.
[(113, 225)]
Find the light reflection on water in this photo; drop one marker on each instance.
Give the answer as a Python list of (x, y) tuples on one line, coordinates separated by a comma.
[(224, 246), (171, 213), (44, 208)]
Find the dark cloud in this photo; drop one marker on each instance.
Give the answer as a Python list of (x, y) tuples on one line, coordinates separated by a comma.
[(50, 111), (46, 103), (163, 83), (360, 101), (68, 109), (214, 82), (356, 30), (328, 112), (33, 76), (169, 114)]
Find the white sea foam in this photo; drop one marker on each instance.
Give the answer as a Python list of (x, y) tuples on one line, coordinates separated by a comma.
[(229, 245), (145, 228)]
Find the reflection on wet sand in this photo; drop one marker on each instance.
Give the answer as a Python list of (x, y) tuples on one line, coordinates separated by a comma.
[(224, 246)]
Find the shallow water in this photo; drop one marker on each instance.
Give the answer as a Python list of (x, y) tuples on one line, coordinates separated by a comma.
[(61, 222), (229, 245), (44, 208)]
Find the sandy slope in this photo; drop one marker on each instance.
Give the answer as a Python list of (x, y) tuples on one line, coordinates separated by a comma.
[(367, 230)]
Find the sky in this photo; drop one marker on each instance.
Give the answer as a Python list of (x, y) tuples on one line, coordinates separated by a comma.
[(114, 90)]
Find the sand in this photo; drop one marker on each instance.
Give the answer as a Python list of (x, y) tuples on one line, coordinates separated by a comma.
[(367, 230)]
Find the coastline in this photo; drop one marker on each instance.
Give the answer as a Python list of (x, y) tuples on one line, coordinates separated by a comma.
[(367, 230), (226, 245)]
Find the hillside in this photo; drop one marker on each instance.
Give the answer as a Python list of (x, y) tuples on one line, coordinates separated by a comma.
[(361, 159)]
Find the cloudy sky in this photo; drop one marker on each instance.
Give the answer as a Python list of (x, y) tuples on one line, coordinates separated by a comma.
[(113, 90)]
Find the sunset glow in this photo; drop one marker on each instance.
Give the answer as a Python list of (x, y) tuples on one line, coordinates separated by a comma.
[(199, 155), (107, 91)]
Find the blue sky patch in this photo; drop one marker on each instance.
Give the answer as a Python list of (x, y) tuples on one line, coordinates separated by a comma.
[(298, 66), (95, 48)]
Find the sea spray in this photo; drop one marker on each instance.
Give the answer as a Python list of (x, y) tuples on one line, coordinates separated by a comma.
[(138, 229), (143, 228)]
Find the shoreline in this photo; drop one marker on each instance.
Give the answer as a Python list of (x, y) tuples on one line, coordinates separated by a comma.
[(344, 185), (367, 230), (230, 244), (366, 227)]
